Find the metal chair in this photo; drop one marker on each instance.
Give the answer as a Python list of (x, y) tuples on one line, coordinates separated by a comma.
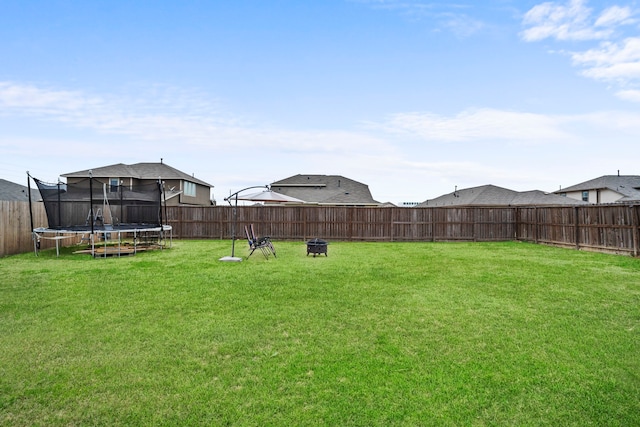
[(262, 243)]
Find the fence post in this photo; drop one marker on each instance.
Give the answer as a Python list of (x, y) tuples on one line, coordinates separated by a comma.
[(474, 212), (433, 224), (350, 222), (414, 225), (636, 228), (535, 224), (577, 224), (220, 222), (304, 223)]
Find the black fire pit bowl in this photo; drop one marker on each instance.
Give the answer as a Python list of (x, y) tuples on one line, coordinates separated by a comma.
[(317, 247)]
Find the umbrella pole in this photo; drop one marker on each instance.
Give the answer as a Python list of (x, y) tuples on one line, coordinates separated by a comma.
[(233, 228)]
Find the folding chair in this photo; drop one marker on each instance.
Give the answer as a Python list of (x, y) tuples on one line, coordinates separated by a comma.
[(262, 243)]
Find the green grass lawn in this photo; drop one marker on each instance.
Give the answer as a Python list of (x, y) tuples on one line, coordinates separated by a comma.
[(375, 334)]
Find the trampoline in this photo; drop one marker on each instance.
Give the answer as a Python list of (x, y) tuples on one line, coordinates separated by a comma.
[(102, 214)]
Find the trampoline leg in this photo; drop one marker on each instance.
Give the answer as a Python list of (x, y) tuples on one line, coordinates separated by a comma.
[(35, 243)]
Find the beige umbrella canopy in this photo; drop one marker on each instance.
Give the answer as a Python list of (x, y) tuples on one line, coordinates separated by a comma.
[(269, 196)]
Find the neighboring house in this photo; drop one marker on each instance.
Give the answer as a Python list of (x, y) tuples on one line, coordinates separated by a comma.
[(12, 191), (326, 190), (180, 188), (491, 195), (606, 189)]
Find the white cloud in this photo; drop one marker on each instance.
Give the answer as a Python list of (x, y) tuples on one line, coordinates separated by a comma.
[(629, 95), (476, 125), (611, 53), (622, 72), (408, 7), (23, 97), (447, 17), (573, 21), (462, 25), (148, 121), (618, 123), (570, 21), (612, 61), (615, 15)]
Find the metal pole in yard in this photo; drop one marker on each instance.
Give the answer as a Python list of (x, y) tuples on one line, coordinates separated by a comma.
[(91, 211), (33, 234)]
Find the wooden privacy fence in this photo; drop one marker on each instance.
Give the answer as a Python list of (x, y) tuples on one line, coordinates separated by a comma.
[(346, 223), (604, 228), (607, 228), (15, 227)]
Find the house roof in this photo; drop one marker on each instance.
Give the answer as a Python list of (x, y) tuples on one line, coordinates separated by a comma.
[(138, 171), (491, 195), (12, 191), (628, 186), (325, 189)]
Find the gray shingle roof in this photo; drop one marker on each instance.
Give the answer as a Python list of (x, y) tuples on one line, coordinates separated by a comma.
[(137, 170), (628, 186), (491, 195), (325, 189), (12, 191)]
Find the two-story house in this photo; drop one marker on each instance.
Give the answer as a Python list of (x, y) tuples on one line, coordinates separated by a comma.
[(180, 188)]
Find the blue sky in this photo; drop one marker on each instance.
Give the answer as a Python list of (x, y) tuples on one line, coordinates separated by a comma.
[(412, 97)]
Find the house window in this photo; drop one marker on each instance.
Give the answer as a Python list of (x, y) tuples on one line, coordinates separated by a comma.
[(189, 189), (113, 185), (585, 196)]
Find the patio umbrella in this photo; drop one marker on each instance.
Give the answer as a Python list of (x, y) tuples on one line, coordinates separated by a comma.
[(269, 196), (266, 195)]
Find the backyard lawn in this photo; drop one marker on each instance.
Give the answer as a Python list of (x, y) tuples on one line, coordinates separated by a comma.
[(375, 334)]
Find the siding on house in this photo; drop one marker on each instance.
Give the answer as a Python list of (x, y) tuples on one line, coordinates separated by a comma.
[(606, 189)]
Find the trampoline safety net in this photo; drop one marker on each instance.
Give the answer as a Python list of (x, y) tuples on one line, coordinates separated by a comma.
[(91, 203)]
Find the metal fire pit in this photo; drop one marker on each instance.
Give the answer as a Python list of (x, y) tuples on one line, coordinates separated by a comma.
[(317, 247)]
